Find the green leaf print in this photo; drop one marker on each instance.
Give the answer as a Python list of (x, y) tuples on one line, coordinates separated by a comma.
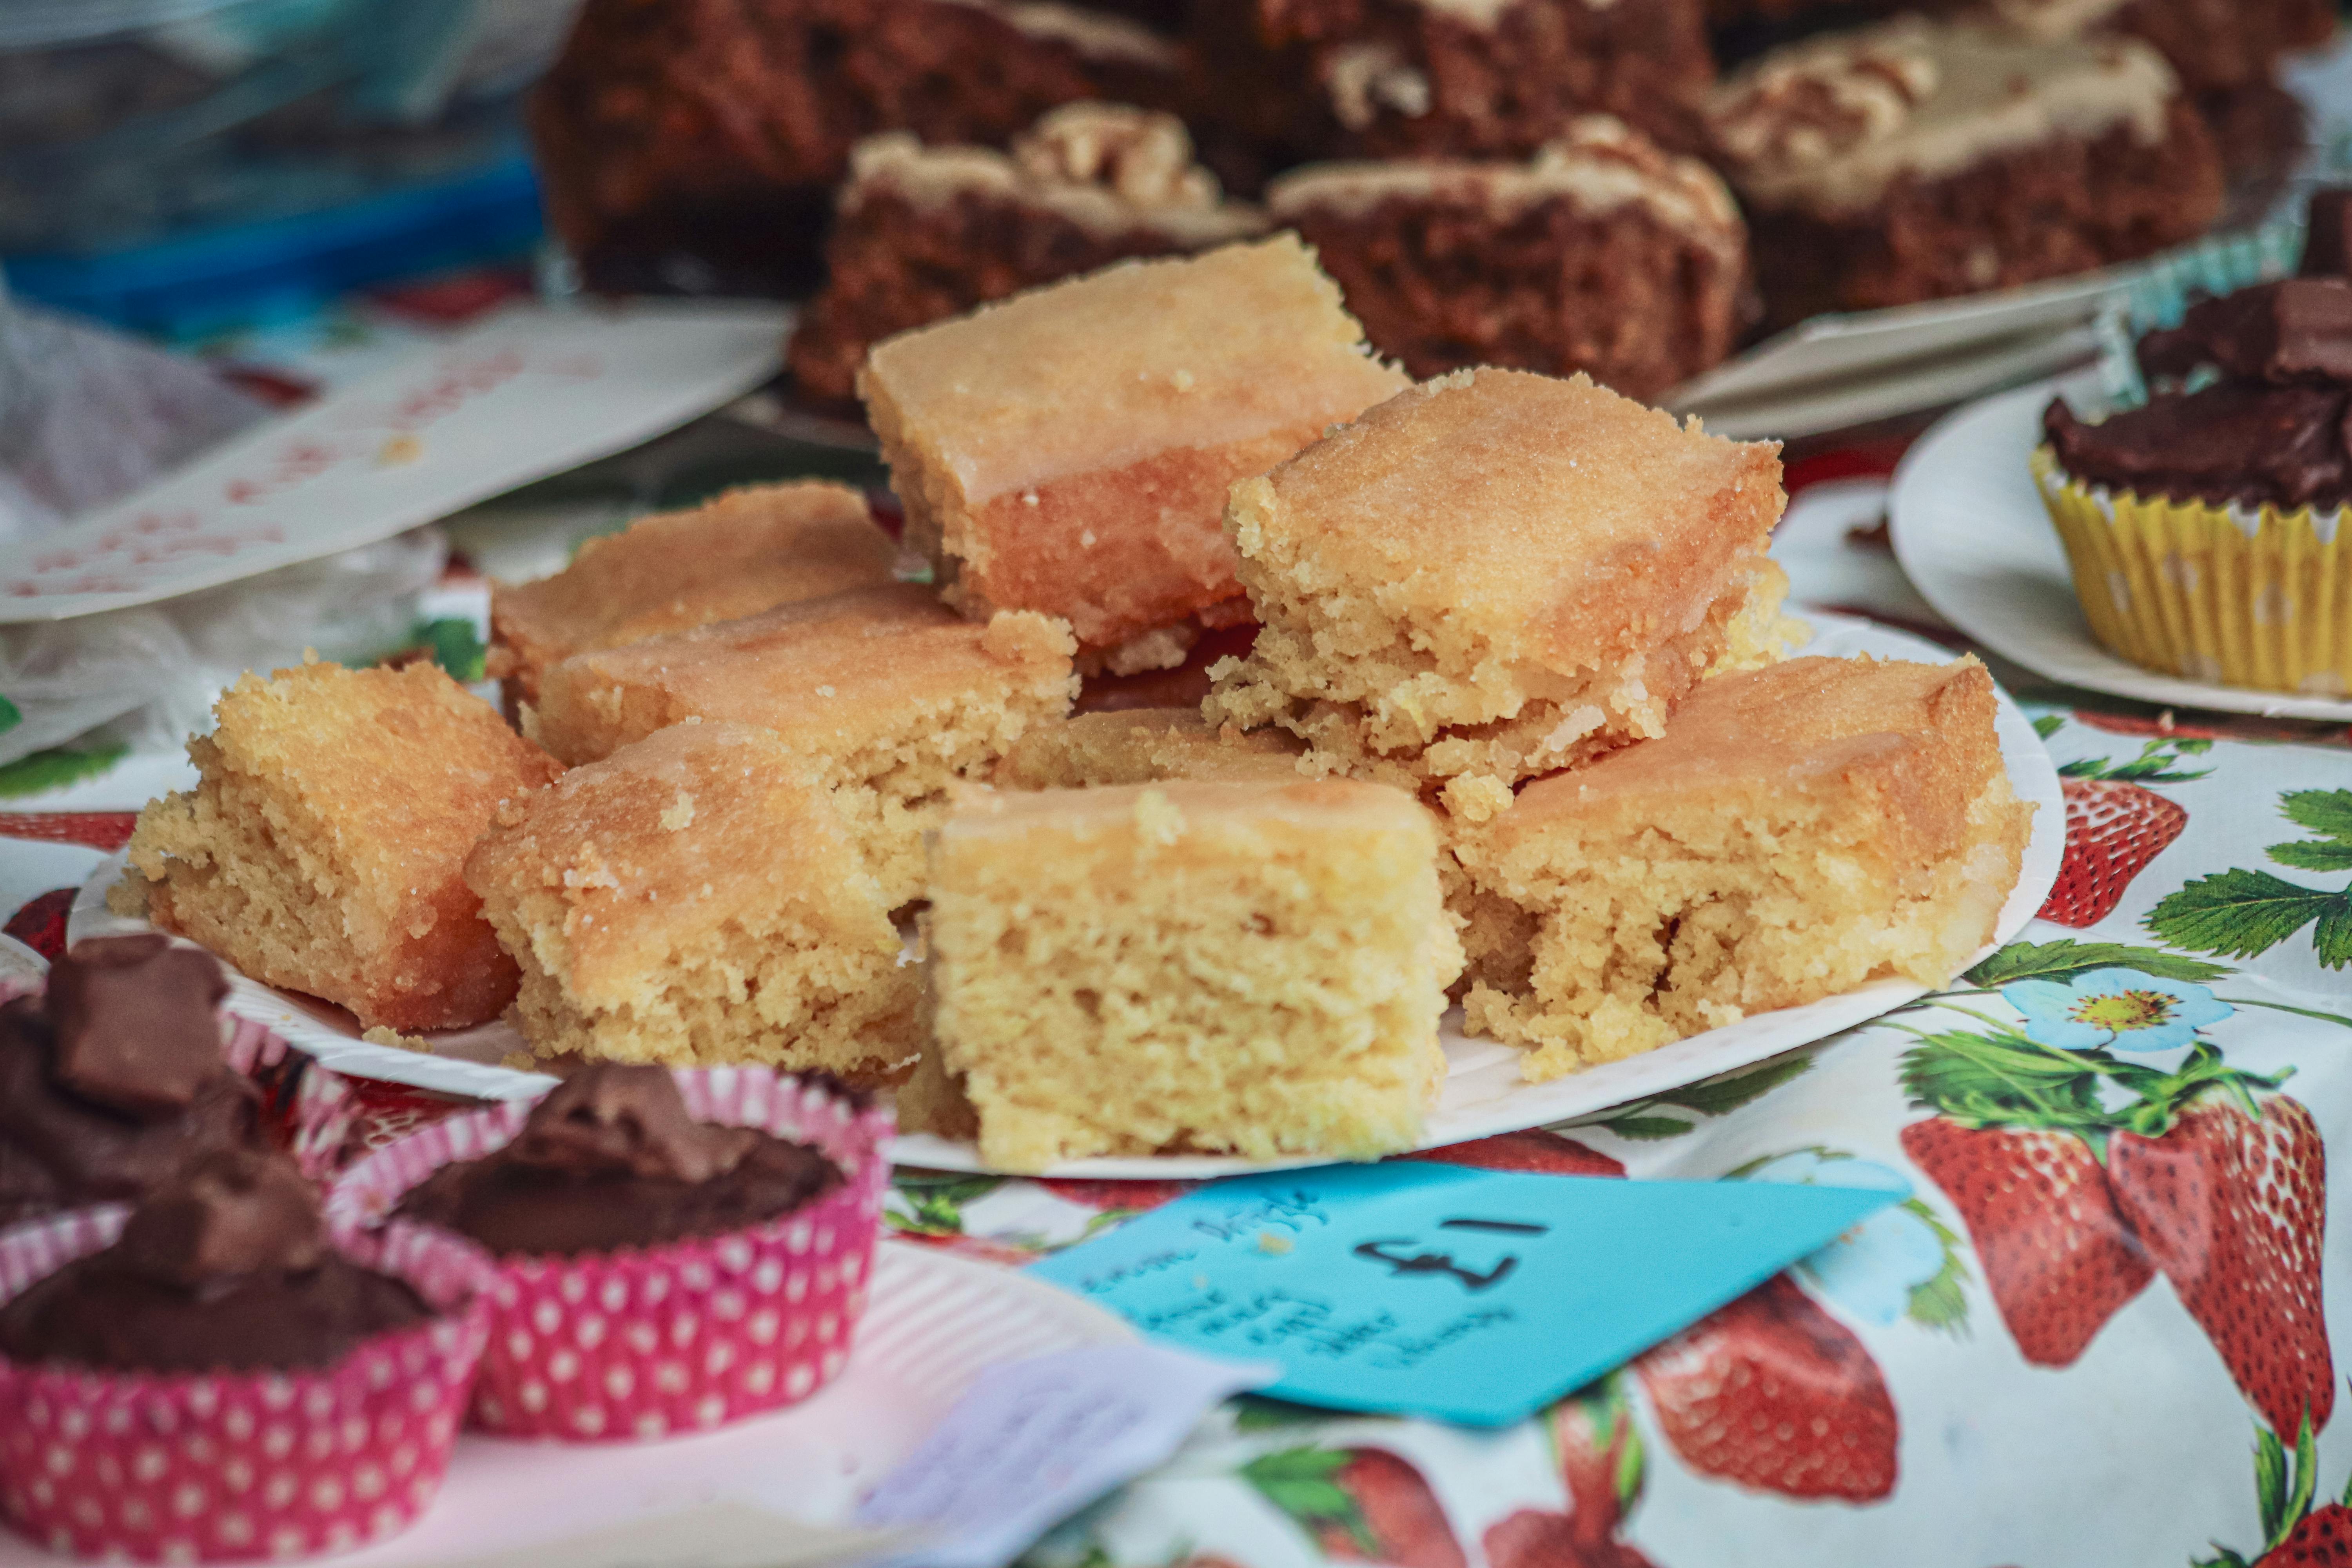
[(2067, 959), (2241, 914), (1302, 1483), (55, 769)]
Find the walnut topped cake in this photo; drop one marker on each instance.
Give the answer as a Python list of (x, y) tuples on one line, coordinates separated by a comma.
[(924, 233), (1496, 575), (1798, 831), (1476, 78), (748, 551), (695, 147), (1068, 450), (1915, 160), (1601, 253)]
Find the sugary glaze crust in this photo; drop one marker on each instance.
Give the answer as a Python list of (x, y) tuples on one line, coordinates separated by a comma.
[(1798, 830), (696, 899), (886, 693), (1254, 967), (1068, 450), (322, 847), (1491, 547), (1145, 745), (747, 551)]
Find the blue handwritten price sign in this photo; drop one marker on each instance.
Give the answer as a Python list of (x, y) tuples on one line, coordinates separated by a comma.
[(1471, 1296)]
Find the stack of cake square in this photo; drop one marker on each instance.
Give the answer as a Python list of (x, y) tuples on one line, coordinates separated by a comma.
[(1515, 721), (1531, 628)]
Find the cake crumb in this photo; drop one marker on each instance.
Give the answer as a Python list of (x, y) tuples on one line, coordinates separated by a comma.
[(681, 812), (1477, 797), (1160, 820), (382, 1035)]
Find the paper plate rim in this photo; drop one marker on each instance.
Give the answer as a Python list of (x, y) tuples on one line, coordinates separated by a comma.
[(1709, 1055)]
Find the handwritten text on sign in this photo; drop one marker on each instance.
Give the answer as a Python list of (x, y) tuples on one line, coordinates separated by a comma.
[(1471, 1296)]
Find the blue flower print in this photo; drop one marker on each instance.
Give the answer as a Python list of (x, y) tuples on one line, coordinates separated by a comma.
[(2121, 1008)]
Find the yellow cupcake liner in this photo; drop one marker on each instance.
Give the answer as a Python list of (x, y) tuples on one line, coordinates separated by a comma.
[(2227, 595)]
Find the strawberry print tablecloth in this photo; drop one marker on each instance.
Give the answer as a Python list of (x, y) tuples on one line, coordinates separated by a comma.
[(2099, 1326)]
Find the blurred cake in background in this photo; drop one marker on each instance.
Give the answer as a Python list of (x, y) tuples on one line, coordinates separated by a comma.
[(693, 146), (923, 232), (1916, 161), (1601, 253), (1490, 78)]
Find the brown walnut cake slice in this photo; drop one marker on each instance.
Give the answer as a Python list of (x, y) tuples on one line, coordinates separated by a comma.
[(1916, 160), (921, 234), (1601, 253)]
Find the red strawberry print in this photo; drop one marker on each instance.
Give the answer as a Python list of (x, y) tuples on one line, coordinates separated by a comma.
[(41, 923), (1397, 1509), (2321, 1539), (106, 830), (2232, 1206), (978, 1247), (1532, 1538), (2114, 829), (1534, 1149), (1588, 1438), (1773, 1392), (2164, 726), (1124, 1197), (2058, 1256)]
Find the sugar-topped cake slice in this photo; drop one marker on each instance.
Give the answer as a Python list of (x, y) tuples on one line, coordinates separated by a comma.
[(890, 694), (748, 551), (1068, 450), (323, 846), (1798, 831), (1252, 968), (1498, 575), (696, 898)]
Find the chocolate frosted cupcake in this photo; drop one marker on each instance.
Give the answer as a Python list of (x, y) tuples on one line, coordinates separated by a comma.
[(612, 1158), (310, 1390), (2204, 525), (676, 1249), (227, 1268), (116, 1077)]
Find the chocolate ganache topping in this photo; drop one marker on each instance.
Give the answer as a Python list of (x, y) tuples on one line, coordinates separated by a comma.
[(225, 1268), (2275, 427), (611, 1158), (110, 1081)]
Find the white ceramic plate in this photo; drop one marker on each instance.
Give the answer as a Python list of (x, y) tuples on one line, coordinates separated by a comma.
[(783, 1486), (1976, 541), (1483, 1091)]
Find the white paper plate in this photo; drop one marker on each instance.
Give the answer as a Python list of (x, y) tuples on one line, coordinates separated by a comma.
[(1973, 536), (767, 1493), (1483, 1091)]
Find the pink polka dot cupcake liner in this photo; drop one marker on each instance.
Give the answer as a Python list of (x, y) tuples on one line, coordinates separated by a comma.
[(641, 1343), (231, 1466)]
